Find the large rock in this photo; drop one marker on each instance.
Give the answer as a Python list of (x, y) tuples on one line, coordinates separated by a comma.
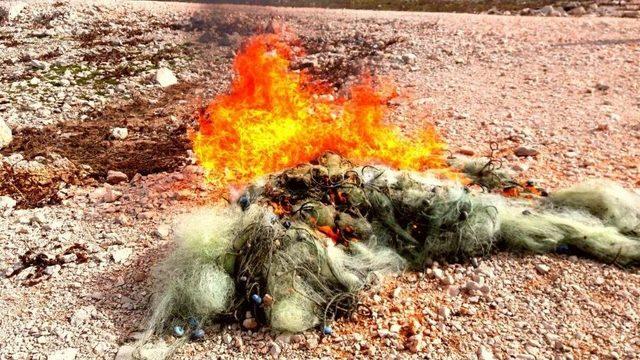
[(165, 77), (6, 136)]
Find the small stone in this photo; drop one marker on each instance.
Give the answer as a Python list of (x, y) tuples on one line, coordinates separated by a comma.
[(13, 9), (116, 177), (485, 354), (275, 350), (395, 328), (466, 151), (52, 270), (69, 258), (7, 203), (64, 354), (615, 117), (578, 11), (547, 10), (523, 151), (119, 133), (163, 231), (82, 315), (6, 136), (238, 342), (125, 352), (445, 312), (438, 273), (165, 77), (250, 324), (38, 218), (227, 338), (542, 268), (453, 291), (600, 280), (448, 280), (104, 194), (416, 344), (409, 58), (121, 255)]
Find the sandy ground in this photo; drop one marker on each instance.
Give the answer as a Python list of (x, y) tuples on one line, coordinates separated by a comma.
[(567, 88)]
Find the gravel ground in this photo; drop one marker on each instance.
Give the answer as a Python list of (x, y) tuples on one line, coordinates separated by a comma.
[(565, 89)]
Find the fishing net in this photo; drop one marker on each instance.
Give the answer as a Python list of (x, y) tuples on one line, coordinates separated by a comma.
[(298, 247)]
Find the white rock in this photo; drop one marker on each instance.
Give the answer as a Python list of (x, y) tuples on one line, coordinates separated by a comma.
[(275, 350), (64, 354), (445, 312), (125, 352), (119, 133), (10, 10), (438, 273), (542, 268), (163, 231), (485, 354), (52, 270), (121, 255), (165, 77), (6, 136), (82, 315), (7, 203)]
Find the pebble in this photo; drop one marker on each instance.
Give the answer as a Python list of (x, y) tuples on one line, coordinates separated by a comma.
[(409, 58), (64, 354), (125, 352), (485, 354), (163, 231), (119, 256), (416, 344), (7, 203), (250, 324), (275, 349), (116, 177), (165, 77), (523, 151), (119, 133), (82, 315), (6, 136), (542, 268), (445, 312), (438, 274)]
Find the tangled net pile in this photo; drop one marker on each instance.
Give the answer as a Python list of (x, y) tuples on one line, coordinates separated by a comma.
[(298, 247)]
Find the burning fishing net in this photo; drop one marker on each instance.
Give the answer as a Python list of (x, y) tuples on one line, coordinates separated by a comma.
[(311, 238)]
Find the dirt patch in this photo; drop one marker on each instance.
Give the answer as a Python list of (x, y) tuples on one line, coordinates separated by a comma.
[(157, 141)]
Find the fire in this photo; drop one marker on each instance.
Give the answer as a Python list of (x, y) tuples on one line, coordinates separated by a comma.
[(274, 118)]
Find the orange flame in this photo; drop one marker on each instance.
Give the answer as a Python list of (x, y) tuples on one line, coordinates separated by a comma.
[(274, 118)]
